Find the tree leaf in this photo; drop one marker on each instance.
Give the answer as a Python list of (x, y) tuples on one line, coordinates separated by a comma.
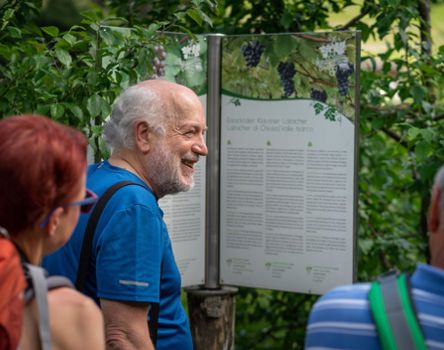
[(70, 39), (195, 16), (64, 57), (76, 111), (52, 31), (93, 105), (57, 110)]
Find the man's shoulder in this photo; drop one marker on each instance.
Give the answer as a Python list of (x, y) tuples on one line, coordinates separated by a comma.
[(341, 318), (346, 298), (357, 290), (102, 176)]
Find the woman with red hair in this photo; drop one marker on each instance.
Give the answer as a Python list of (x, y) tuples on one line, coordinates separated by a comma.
[(42, 192)]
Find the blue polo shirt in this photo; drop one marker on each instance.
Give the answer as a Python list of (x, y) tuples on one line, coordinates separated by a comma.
[(341, 319), (130, 246)]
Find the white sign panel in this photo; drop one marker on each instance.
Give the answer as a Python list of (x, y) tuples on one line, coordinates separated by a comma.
[(287, 195)]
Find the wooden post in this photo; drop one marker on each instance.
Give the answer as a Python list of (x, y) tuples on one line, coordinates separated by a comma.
[(212, 314)]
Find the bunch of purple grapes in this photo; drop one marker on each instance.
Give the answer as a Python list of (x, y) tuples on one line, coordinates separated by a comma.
[(286, 73), (252, 53), (343, 71), (319, 95), (159, 61)]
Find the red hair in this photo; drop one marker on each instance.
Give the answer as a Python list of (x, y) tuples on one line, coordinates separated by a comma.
[(41, 164)]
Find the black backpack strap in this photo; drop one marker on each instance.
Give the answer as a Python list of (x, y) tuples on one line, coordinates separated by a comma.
[(87, 248), (394, 314), (153, 322), (85, 254)]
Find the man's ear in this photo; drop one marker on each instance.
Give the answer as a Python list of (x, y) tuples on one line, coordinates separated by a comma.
[(54, 221), (434, 210), (143, 136)]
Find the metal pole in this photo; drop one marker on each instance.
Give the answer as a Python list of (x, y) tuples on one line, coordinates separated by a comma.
[(213, 163), (356, 165)]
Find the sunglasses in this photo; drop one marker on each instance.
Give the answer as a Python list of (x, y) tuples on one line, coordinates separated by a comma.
[(85, 205)]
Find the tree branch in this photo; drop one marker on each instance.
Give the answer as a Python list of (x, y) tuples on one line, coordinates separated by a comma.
[(438, 117), (393, 135), (425, 27), (353, 21), (314, 38)]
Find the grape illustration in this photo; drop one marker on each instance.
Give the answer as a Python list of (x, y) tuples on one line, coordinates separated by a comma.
[(159, 61), (343, 71), (319, 95), (286, 73), (252, 53)]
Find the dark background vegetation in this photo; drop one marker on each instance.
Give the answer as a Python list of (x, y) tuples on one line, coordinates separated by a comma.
[(54, 60)]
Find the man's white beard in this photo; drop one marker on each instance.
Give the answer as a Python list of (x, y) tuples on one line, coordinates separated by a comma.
[(164, 172)]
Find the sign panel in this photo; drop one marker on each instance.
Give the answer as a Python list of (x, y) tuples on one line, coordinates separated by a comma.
[(288, 148)]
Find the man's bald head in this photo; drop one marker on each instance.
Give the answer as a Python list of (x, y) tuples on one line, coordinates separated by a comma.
[(158, 102)]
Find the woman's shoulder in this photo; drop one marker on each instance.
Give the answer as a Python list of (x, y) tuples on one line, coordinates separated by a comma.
[(71, 298), (70, 310)]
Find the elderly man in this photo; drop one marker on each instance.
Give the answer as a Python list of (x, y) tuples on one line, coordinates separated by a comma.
[(353, 317), (156, 136)]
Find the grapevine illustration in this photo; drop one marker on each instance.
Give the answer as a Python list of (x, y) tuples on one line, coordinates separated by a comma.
[(252, 53), (314, 66), (286, 73), (343, 72), (319, 95)]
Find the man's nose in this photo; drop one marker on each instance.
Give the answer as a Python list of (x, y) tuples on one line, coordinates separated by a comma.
[(200, 147)]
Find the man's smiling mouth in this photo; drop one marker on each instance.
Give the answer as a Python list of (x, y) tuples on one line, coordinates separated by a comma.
[(189, 163)]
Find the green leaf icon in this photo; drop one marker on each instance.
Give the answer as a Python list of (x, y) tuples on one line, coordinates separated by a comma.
[(235, 101)]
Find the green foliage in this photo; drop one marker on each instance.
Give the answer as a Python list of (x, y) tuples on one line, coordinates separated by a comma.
[(74, 76), (275, 16), (179, 14), (270, 319), (71, 76)]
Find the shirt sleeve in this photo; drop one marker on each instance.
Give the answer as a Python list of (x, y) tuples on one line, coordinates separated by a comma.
[(128, 256)]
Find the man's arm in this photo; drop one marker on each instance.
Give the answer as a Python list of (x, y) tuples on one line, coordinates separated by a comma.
[(126, 325)]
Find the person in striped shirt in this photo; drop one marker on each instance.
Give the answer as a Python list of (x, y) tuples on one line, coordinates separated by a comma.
[(341, 319)]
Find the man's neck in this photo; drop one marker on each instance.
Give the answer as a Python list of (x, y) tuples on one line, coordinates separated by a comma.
[(127, 162)]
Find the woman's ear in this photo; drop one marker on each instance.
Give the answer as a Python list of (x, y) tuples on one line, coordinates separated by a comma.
[(54, 221), (142, 136), (434, 215)]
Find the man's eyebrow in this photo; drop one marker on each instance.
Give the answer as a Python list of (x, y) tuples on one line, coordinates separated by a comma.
[(194, 126)]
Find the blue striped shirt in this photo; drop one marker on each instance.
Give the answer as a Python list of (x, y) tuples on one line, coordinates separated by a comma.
[(341, 319)]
